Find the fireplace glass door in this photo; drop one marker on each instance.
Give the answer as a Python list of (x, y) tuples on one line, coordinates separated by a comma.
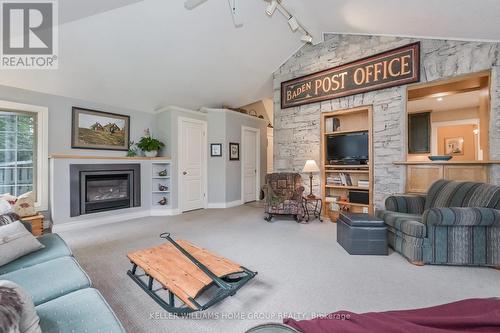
[(106, 191)]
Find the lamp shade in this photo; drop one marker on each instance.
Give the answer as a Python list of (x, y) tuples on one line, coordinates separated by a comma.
[(311, 166)]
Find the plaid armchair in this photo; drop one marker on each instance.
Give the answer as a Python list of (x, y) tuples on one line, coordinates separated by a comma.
[(456, 223), (283, 195)]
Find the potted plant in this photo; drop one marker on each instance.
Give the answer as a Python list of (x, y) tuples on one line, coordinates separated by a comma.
[(150, 145)]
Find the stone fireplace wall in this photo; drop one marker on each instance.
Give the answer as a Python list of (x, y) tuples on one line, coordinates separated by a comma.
[(297, 129)]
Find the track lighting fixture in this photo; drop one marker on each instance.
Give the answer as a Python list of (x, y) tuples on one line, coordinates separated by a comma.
[(191, 4), (271, 8), (292, 22), (307, 38)]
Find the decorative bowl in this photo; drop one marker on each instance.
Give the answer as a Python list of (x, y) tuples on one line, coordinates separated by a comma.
[(440, 157)]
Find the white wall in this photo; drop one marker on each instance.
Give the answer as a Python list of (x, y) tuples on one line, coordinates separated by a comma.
[(224, 126), (60, 118)]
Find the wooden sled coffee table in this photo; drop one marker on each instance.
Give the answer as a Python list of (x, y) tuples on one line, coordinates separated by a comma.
[(185, 271)]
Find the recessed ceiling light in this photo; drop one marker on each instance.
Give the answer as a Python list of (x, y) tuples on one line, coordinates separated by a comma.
[(439, 99)]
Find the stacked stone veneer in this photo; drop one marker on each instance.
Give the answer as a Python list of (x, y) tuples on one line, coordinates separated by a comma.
[(297, 129)]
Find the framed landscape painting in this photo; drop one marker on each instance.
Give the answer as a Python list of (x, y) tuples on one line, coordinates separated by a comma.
[(93, 129)]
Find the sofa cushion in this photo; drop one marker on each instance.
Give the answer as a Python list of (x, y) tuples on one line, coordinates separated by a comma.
[(446, 193), (409, 224), (50, 279), (55, 247), (25, 205), (84, 310), (15, 242)]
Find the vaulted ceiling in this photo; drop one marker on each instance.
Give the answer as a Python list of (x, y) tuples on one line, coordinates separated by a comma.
[(146, 54)]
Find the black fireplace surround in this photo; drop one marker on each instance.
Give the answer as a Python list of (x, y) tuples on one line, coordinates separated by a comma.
[(103, 187)]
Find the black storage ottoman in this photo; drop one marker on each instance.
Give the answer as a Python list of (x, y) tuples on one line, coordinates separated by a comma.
[(362, 234)]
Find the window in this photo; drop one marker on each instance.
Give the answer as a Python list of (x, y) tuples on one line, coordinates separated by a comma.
[(18, 148), (23, 151)]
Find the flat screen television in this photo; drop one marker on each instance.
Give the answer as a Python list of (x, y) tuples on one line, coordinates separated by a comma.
[(348, 148)]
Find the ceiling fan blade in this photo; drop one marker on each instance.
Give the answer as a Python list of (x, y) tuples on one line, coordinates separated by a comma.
[(191, 4)]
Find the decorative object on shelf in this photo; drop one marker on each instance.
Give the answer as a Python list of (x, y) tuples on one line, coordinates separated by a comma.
[(91, 129), (163, 173), (335, 124), (334, 210), (162, 188), (311, 167), (454, 146), (252, 112), (440, 157), (163, 201), (150, 145), (132, 150), (234, 151), (216, 149)]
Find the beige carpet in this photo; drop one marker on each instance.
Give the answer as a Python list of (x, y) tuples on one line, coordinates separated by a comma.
[(302, 271)]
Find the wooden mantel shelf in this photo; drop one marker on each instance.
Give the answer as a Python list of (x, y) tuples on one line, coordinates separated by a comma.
[(451, 162), (92, 157)]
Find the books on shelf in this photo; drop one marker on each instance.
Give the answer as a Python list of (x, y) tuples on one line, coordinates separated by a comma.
[(332, 198), (342, 179), (363, 183)]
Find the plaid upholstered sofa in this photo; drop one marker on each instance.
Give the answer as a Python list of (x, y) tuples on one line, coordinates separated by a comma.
[(456, 223), (283, 195)]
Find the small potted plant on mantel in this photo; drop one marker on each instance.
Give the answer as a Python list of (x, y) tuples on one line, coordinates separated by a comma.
[(149, 145)]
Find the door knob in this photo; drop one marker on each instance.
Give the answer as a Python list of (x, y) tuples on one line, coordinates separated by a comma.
[(184, 173)]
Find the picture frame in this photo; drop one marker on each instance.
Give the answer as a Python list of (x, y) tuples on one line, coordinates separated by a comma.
[(234, 151), (454, 146), (216, 149), (99, 130)]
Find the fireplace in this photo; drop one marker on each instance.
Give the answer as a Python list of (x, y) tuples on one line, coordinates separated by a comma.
[(104, 187)]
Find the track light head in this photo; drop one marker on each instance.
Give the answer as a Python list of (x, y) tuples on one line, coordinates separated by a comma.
[(307, 38), (271, 8), (292, 22)]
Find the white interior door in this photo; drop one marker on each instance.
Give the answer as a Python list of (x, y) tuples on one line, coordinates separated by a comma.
[(250, 166), (192, 164)]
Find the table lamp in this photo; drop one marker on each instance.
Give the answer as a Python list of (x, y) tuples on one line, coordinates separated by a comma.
[(311, 167)]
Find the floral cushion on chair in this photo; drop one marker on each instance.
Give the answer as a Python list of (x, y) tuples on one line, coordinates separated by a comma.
[(24, 205)]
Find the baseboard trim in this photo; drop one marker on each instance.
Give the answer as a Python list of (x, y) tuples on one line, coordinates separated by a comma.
[(165, 212), (99, 221), (220, 205)]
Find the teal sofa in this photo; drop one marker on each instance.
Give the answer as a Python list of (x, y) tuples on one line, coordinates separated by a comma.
[(456, 223), (61, 290)]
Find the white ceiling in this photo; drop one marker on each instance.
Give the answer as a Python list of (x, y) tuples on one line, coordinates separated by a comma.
[(148, 54), (451, 102)]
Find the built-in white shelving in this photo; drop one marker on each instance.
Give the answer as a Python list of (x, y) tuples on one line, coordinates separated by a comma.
[(156, 180)]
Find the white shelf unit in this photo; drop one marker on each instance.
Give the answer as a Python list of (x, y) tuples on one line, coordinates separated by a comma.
[(157, 180)]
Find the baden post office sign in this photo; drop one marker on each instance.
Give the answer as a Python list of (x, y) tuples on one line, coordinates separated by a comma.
[(388, 69)]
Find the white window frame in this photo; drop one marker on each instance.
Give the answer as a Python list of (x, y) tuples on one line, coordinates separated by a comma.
[(42, 168)]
